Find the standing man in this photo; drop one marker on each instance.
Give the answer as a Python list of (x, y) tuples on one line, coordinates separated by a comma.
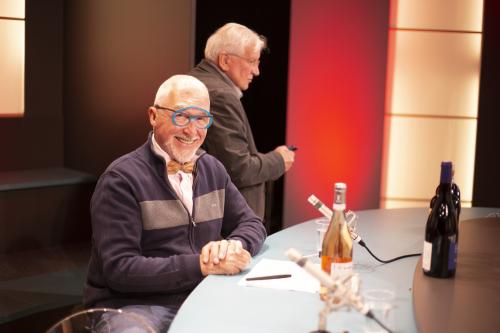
[(232, 57), (166, 215)]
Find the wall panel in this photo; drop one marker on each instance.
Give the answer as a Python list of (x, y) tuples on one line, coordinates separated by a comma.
[(432, 98), (118, 52), (337, 69), (11, 67), (35, 140)]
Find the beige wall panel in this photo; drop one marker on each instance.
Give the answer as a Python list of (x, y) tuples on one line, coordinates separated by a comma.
[(410, 204), (416, 148), (404, 203), (462, 15), (11, 68), (12, 8), (435, 73)]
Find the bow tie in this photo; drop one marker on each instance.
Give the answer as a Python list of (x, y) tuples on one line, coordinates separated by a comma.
[(174, 166)]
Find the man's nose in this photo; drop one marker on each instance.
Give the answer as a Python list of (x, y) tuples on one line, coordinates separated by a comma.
[(256, 71), (191, 128)]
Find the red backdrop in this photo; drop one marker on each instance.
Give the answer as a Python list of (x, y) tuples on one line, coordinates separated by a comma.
[(338, 55)]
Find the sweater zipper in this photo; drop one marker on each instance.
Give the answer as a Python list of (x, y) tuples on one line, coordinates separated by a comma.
[(191, 218), (195, 179)]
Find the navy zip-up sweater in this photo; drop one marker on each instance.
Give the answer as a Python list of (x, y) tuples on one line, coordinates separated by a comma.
[(145, 244)]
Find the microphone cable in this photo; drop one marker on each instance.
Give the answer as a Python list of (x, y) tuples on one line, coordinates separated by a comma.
[(313, 200), (363, 244)]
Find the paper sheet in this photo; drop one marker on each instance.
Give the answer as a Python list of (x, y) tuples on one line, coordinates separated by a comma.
[(299, 281)]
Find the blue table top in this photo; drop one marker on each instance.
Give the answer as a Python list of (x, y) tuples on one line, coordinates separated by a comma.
[(219, 304)]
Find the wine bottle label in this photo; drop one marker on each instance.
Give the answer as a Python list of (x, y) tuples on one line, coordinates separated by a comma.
[(452, 255), (426, 256), (338, 269), (339, 207)]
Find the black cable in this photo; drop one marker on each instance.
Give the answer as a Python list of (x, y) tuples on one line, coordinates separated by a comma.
[(363, 244), (369, 314)]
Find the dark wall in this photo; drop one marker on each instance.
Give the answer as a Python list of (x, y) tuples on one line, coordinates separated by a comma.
[(265, 100), (92, 69), (486, 179), (117, 53), (35, 140)]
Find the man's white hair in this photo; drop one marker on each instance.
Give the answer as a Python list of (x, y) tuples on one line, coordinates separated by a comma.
[(180, 84), (233, 38)]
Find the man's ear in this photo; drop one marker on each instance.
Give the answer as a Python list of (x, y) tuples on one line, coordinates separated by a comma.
[(153, 116), (222, 61)]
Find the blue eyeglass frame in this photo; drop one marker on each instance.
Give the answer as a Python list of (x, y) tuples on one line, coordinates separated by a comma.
[(190, 117)]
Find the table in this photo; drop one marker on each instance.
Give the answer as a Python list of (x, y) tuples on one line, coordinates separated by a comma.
[(218, 304), (470, 301)]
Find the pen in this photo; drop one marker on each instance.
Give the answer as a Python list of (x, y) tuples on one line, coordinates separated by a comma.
[(269, 277), (292, 148)]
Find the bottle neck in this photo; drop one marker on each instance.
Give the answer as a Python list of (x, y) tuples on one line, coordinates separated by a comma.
[(445, 195), (445, 187), (339, 207)]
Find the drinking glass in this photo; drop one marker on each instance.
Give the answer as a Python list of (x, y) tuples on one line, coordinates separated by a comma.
[(321, 226), (381, 303)]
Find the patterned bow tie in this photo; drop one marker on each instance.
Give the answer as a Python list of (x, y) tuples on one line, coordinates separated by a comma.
[(174, 166)]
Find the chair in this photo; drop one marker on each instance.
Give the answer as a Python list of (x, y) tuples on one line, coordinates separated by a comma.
[(102, 320)]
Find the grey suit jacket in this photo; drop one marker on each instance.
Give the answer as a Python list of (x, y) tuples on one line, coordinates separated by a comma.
[(230, 139)]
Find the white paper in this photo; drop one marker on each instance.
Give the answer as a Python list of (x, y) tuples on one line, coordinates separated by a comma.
[(299, 281)]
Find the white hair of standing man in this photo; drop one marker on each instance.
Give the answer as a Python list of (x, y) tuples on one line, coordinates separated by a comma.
[(233, 38), (183, 85)]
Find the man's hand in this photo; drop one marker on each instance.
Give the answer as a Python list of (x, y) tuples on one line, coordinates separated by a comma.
[(287, 154), (223, 257)]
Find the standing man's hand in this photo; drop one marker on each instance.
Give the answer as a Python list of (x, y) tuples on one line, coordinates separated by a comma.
[(287, 154)]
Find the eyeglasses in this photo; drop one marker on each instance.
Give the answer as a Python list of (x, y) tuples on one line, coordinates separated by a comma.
[(251, 62), (182, 119)]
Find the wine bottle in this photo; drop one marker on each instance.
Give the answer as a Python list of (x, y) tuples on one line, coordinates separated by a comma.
[(439, 258), (455, 193), (336, 252)]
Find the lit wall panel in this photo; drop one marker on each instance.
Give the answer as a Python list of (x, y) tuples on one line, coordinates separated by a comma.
[(12, 8), (435, 73), (417, 147), (431, 98), (12, 58), (11, 67), (411, 204), (459, 15)]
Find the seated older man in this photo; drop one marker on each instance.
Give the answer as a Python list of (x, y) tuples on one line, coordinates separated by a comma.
[(167, 214)]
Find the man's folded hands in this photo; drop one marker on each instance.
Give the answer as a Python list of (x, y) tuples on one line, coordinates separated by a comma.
[(225, 257)]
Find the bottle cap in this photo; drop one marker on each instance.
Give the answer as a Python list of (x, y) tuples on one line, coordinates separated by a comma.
[(446, 172), (340, 189), (340, 186)]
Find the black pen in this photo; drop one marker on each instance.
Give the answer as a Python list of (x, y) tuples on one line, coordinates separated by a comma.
[(292, 148), (269, 277)]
